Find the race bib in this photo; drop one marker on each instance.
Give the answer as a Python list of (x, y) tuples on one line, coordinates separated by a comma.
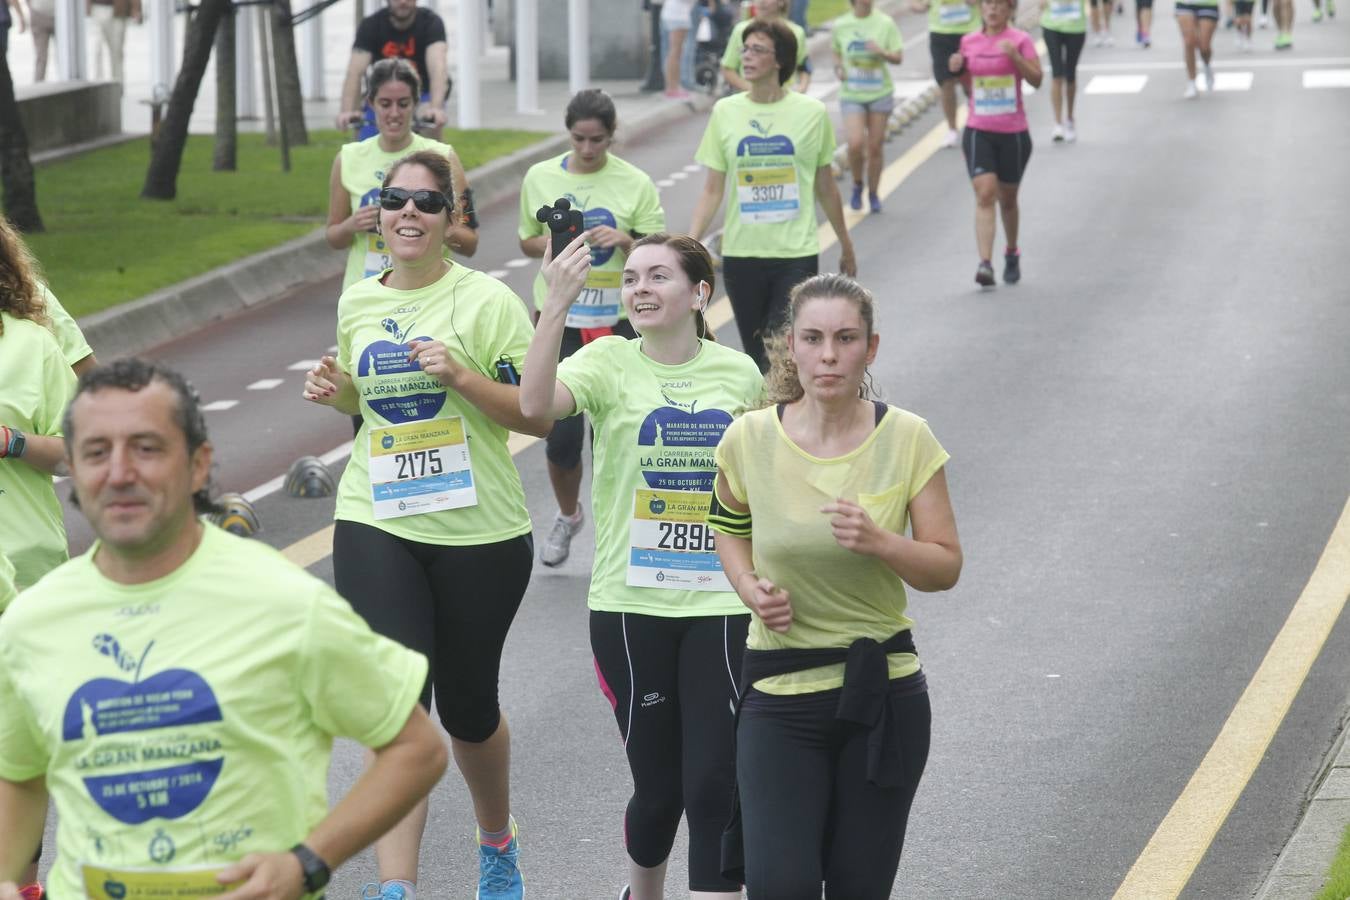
[(1066, 12), (864, 77), (671, 545), (995, 95), (598, 304), (767, 195), (954, 12), (104, 883), (377, 255), (420, 467)]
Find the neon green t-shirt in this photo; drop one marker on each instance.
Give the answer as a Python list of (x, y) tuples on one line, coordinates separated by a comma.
[(73, 345), (837, 595), (189, 721), (8, 590), (38, 383), (1065, 16), (867, 76), (655, 430), (770, 153), (479, 320), (364, 166), (731, 57), (953, 16), (619, 195)]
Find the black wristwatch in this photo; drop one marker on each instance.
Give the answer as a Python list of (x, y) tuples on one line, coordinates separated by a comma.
[(315, 870), (17, 443)]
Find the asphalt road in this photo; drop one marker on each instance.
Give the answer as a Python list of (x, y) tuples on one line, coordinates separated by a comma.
[(1148, 441)]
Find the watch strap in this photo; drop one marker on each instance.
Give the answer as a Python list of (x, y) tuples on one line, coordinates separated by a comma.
[(315, 870)]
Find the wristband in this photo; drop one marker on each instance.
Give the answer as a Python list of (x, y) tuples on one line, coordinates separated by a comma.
[(13, 443), (315, 871)]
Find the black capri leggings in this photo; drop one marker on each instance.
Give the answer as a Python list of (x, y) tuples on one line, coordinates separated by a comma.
[(671, 685), (809, 815), (563, 445), (1064, 50), (758, 288), (454, 605)]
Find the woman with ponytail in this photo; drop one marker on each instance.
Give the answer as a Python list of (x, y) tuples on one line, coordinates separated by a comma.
[(667, 629)]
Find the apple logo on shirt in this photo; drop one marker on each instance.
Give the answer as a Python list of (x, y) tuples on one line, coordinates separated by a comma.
[(394, 387), (676, 444), (764, 142), (149, 748)]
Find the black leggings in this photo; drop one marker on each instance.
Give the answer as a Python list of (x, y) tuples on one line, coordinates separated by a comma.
[(1064, 50), (759, 290), (671, 685), (563, 445), (808, 813), (453, 605)]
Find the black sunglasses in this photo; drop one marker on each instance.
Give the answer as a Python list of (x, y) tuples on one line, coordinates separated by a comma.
[(429, 202)]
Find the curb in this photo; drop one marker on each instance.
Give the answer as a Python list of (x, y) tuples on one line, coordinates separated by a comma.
[(183, 308), (1302, 865)]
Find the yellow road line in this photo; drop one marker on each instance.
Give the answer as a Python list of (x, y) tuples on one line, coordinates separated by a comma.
[(309, 550), (1185, 834)]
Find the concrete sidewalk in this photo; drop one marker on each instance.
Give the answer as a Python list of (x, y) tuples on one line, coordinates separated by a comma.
[(1302, 866)]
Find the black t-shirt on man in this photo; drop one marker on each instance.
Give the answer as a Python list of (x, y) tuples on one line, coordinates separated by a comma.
[(377, 36)]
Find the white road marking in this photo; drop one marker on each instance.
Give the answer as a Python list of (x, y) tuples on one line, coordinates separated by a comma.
[(333, 349), (693, 167), (499, 273), (1281, 63), (909, 88), (219, 405), (1116, 84), (303, 365), (1229, 81), (265, 384), (1327, 78), (680, 175), (666, 182), (518, 263)]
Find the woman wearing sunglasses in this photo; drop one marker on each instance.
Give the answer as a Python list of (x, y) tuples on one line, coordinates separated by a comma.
[(354, 184), (432, 542)]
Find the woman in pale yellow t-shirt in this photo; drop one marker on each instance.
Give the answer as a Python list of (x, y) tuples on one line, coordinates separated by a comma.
[(813, 497)]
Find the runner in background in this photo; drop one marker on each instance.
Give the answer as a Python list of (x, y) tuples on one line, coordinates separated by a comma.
[(1284, 24), (1101, 23), (771, 10), (1244, 24), (432, 540), (776, 146), (402, 30), (1197, 21), (667, 629), (265, 664), (619, 203), (38, 381), (1143, 23), (865, 42), (1064, 26), (948, 22), (814, 495), (993, 62)]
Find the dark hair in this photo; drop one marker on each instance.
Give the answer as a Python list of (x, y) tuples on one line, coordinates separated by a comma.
[(784, 44), (393, 69), (20, 294), (695, 261), (782, 384), (135, 374), (592, 103)]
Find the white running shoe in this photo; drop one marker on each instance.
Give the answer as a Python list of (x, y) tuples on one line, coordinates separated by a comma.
[(1096, 39), (953, 138), (1107, 39), (559, 544), (1190, 93), (1209, 78), (1058, 134), (1070, 134), (1263, 22)]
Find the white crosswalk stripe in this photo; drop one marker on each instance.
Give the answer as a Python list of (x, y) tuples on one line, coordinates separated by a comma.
[(1326, 78), (1116, 84), (1230, 81)]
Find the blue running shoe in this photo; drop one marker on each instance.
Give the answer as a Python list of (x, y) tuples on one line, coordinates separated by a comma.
[(390, 892), (499, 870), (855, 202)]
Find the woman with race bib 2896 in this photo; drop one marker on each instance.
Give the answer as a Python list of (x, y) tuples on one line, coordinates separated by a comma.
[(667, 630), (775, 147)]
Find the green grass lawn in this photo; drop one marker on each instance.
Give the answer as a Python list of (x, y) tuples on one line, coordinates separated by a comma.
[(822, 11), (1338, 878), (104, 245)]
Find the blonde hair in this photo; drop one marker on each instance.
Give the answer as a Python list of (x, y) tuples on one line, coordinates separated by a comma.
[(782, 383), (20, 293)]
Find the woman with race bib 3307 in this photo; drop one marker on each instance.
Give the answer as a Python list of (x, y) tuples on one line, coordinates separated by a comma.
[(618, 203), (667, 629), (992, 63), (432, 540), (775, 147)]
